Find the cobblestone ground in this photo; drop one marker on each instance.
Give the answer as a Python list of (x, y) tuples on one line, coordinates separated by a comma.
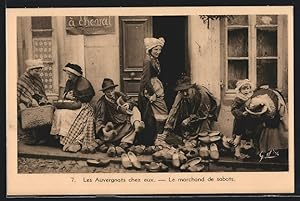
[(33, 165)]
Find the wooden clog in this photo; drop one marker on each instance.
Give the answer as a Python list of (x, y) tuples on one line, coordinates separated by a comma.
[(214, 152), (126, 163), (134, 160), (98, 162)]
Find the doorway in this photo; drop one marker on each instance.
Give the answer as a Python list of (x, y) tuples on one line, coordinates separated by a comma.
[(173, 58)]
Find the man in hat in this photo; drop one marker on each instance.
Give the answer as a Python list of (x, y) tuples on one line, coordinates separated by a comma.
[(75, 128), (31, 93), (193, 111), (118, 119)]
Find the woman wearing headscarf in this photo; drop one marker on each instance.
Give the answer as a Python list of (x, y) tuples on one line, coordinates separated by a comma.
[(30, 88), (31, 93), (151, 96), (75, 127)]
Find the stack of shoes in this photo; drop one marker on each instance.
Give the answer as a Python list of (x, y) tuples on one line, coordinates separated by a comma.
[(130, 160), (206, 137), (203, 137), (214, 136)]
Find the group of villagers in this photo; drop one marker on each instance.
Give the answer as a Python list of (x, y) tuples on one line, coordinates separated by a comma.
[(118, 125)]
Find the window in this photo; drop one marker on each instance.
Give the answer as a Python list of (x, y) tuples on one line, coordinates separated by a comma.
[(42, 48), (252, 50)]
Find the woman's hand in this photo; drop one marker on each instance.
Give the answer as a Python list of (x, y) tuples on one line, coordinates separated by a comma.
[(34, 103), (70, 95)]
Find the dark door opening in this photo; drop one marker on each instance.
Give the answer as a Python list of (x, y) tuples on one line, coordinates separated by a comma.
[(173, 56)]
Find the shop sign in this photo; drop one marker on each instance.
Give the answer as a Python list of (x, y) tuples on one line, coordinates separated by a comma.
[(90, 25)]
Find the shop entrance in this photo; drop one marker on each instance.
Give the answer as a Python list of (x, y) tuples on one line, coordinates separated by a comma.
[(173, 58)]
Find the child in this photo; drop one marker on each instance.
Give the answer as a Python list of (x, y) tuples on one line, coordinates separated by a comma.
[(244, 91)]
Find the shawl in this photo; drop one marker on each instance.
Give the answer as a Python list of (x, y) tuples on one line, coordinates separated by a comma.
[(151, 69), (30, 87), (82, 88), (107, 110)]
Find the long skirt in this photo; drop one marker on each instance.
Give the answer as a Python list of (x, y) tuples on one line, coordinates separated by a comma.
[(159, 106), (75, 126), (153, 114)]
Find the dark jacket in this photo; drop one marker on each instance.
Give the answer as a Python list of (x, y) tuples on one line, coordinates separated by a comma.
[(151, 69), (82, 89)]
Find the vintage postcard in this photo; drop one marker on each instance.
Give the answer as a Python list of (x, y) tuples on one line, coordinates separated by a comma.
[(160, 100)]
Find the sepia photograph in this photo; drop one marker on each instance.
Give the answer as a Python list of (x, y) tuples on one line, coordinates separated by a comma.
[(108, 97)]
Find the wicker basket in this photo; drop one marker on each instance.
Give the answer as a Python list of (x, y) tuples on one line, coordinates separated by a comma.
[(37, 116)]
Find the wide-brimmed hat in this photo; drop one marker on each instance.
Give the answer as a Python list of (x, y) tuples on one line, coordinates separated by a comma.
[(261, 111), (184, 83), (34, 63), (108, 83), (73, 68), (153, 42)]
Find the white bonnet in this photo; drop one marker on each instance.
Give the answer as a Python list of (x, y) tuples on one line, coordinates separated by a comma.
[(241, 83), (153, 42)]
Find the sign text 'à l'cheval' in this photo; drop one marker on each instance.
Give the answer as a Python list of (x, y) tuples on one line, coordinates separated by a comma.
[(90, 25)]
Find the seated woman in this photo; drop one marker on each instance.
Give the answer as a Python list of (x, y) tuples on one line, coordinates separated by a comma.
[(31, 93), (75, 127)]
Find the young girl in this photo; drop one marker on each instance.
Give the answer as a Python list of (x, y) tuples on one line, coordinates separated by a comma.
[(244, 91)]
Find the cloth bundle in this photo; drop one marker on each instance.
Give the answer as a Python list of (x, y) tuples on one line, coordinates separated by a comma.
[(67, 104)]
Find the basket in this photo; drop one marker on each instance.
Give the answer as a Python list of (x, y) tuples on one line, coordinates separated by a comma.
[(37, 116)]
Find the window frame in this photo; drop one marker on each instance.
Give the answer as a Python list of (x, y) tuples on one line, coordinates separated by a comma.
[(252, 57)]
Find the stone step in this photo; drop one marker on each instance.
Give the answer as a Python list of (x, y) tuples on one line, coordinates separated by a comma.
[(48, 152)]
